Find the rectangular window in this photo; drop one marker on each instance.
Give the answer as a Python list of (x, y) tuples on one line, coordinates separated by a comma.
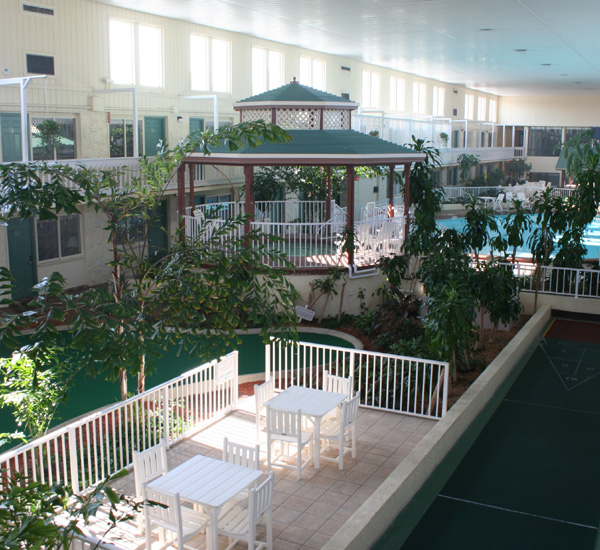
[(493, 110), (58, 238), (439, 101), (469, 107), (419, 98), (481, 104), (544, 142), (135, 54), (267, 70), (210, 64), (370, 89), (312, 72), (397, 94), (40, 64), (53, 138), (120, 137)]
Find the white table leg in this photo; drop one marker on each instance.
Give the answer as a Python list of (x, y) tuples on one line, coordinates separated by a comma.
[(317, 458), (212, 529)]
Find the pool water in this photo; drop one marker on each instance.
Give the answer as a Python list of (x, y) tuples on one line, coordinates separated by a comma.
[(591, 238), (89, 393)]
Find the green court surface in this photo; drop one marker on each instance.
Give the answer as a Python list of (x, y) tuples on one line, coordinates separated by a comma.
[(531, 479)]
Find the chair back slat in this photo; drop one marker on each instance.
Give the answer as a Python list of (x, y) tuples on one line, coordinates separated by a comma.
[(261, 499), (338, 384), (242, 455), (149, 464)]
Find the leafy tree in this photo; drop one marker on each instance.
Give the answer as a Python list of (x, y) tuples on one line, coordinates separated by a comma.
[(515, 225), (191, 294), (479, 221), (466, 161), (35, 515), (517, 167)]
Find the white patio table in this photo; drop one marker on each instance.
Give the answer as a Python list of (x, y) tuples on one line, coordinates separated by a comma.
[(314, 404), (210, 483)]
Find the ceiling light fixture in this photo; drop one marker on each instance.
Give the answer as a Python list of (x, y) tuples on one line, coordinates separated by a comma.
[(520, 50), (486, 30), (546, 64)]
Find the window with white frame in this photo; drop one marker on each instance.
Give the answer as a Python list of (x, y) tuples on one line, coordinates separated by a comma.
[(481, 105), (58, 238), (312, 72), (371, 88), (419, 98), (267, 70), (210, 62), (439, 101), (493, 111), (135, 53), (469, 107), (397, 94)]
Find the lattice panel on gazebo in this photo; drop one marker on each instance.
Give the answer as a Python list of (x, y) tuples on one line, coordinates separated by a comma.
[(336, 119), (298, 119), (250, 115)]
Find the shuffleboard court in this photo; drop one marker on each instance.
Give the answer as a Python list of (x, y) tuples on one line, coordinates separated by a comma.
[(531, 479)]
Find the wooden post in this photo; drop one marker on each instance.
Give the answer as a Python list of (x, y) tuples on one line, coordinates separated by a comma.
[(406, 200), (181, 197), (350, 212), (328, 203), (391, 191), (191, 186), (249, 192)]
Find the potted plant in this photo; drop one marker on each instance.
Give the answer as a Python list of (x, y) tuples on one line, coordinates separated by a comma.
[(444, 139)]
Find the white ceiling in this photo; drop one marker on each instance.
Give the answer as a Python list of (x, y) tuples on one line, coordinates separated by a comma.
[(467, 42)]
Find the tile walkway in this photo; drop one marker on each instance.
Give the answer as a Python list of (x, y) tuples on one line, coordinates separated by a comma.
[(308, 512)]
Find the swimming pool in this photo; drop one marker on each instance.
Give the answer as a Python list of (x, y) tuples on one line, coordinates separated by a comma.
[(591, 238)]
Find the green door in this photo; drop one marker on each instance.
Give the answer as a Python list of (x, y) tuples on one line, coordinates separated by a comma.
[(21, 256), (10, 128), (154, 131)]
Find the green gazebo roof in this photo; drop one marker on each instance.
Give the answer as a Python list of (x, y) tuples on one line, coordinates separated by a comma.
[(316, 147), (295, 92)]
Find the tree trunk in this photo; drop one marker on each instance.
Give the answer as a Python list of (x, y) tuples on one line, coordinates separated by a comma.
[(141, 377), (123, 383)]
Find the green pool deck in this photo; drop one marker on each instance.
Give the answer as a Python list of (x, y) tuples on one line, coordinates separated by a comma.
[(531, 479)]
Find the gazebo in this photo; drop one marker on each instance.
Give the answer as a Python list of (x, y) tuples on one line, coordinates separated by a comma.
[(320, 127)]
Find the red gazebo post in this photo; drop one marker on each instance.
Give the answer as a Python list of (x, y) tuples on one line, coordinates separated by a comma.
[(406, 200), (391, 191), (249, 196)]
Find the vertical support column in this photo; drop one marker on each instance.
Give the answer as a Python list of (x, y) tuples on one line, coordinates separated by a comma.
[(406, 200), (350, 212), (391, 191), (181, 196), (249, 192), (328, 202), (24, 122), (191, 186)]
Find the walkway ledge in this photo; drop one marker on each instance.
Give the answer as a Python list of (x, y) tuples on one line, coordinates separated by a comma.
[(371, 520)]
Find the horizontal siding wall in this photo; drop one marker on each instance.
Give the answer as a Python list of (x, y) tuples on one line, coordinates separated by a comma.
[(77, 37)]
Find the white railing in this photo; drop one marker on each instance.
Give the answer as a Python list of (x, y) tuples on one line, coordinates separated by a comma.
[(455, 192), (562, 281), (84, 452), (407, 385)]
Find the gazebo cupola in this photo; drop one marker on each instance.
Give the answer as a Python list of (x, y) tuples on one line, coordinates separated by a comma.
[(298, 107)]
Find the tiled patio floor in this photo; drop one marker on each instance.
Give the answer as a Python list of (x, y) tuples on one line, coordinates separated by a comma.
[(308, 512)]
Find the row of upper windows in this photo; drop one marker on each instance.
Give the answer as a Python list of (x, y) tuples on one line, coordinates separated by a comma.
[(136, 58)]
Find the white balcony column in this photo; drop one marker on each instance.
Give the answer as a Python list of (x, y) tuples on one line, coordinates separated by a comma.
[(350, 214)]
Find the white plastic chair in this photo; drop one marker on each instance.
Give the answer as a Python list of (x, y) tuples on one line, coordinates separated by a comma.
[(499, 205), (285, 427), (336, 432), (184, 523), (148, 465), (262, 394), (338, 384), (239, 523)]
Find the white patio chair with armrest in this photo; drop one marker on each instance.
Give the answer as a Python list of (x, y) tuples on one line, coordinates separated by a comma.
[(184, 523), (285, 427), (336, 431), (262, 394), (148, 465), (242, 455), (239, 523), (524, 201)]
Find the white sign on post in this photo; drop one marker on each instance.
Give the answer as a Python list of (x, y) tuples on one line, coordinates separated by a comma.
[(225, 369)]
